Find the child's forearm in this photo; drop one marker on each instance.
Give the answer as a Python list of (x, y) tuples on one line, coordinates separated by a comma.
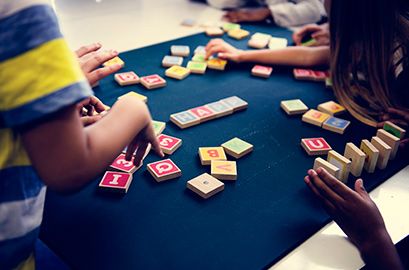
[(67, 155), (290, 56)]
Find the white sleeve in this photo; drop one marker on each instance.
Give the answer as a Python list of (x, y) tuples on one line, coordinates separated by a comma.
[(227, 3), (293, 13)]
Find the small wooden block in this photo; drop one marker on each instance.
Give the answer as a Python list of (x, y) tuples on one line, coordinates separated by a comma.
[(384, 152), (158, 127), (315, 146), (237, 148), (315, 117), (114, 61), (205, 185), (238, 33), (169, 144), (123, 165), (294, 106), (309, 43), (372, 155), (335, 124), (179, 50), (164, 170), (394, 129), (203, 113), (261, 71), (331, 108), (328, 83), (331, 169), (153, 81), (207, 154), (220, 109), (126, 78), (235, 102), (184, 119), (216, 63), (197, 67), (224, 170), (141, 97), (169, 61), (116, 181), (258, 43), (303, 74), (277, 43), (320, 76), (214, 31), (261, 36), (230, 26), (177, 72), (342, 163), (357, 157), (200, 50), (199, 58), (390, 140)]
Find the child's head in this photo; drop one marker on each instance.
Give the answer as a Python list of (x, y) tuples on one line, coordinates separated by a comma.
[(366, 36)]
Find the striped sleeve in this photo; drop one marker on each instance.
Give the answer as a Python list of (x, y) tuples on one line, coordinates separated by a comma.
[(39, 74)]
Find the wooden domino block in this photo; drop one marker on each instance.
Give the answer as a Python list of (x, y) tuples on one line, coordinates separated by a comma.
[(372, 155), (328, 83), (230, 26), (177, 72), (342, 163), (258, 43), (236, 103), (395, 130), (184, 119), (335, 124), (197, 67), (153, 81), (331, 169), (169, 144), (141, 97), (320, 76), (116, 181), (158, 127), (164, 170), (123, 165), (384, 152), (315, 146), (216, 63), (357, 157), (303, 74), (315, 117), (260, 36), (114, 61), (205, 185), (207, 154), (220, 109), (203, 113), (169, 61), (390, 140), (277, 43), (199, 58), (293, 107), (224, 170), (309, 43), (238, 33), (261, 71), (179, 50), (214, 32), (126, 78), (331, 108), (237, 148), (200, 50)]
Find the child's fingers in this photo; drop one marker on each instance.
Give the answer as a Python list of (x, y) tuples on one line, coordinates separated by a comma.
[(89, 120), (156, 147), (140, 153), (87, 49), (101, 73), (323, 189), (98, 59), (131, 150), (97, 104), (337, 186), (328, 205)]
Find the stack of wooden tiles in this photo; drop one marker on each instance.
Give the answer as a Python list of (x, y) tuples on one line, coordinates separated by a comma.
[(201, 114)]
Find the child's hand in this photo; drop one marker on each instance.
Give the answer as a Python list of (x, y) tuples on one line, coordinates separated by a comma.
[(247, 15), (223, 49), (400, 118), (140, 143), (91, 105), (353, 210), (318, 32), (91, 59)]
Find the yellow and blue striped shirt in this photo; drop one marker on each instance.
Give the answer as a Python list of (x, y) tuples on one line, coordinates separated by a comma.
[(38, 76)]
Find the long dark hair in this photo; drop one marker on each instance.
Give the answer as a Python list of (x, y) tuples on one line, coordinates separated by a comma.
[(366, 35)]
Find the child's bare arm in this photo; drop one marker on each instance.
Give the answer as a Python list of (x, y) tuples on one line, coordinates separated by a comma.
[(66, 155)]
